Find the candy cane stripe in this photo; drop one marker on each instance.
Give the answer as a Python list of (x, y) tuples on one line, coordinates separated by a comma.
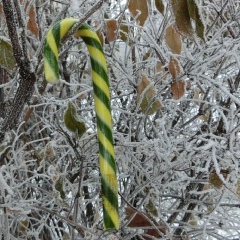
[(102, 107)]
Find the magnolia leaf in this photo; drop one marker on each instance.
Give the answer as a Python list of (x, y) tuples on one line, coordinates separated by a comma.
[(100, 36), (146, 93), (196, 96), (173, 40), (111, 29), (139, 8), (182, 17), (23, 226), (195, 15), (71, 121), (32, 24), (124, 30), (59, 187), (7, 60), (215, 180), (140, 221), (174, 67), (160, 6), (178, 89), (151, 208)]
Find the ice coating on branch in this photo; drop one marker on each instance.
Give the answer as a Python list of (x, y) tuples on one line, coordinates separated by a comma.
[(74, 6)]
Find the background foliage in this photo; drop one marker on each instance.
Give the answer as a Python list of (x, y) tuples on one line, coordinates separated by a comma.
[(174, 74)]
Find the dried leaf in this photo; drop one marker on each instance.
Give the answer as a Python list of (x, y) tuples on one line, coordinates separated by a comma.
[(196, 96), (178, 89), (136, 6), (111, 29), (195, 15), (32, 24), (139, 221), (173, 40), (124, 30), (174, 67), (72, 122), (23, 226), (100, 36), (182, 17), (160, 6), (215, 180), (148, 96), (7, 60), (151, 208)]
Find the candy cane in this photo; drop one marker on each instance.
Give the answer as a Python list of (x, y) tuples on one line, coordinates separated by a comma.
[(102, 108)]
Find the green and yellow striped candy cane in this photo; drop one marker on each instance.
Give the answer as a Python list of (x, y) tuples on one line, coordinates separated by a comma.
[(102, 107)]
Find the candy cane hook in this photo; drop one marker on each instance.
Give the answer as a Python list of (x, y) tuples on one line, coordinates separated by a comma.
[(102, 107)]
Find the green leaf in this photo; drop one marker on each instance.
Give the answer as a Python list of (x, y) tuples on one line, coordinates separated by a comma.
[(182, 17), (72, 122), (160, 6), (7, 60), (151, 208), (146, 94), (195, 15), (59, 187)]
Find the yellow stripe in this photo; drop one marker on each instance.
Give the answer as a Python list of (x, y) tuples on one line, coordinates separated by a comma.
[(103, 112), (111, 211), (98, 80), (51, 42), (49, 73), (65, 25), (86, 33), (98, 56), (105, 142)]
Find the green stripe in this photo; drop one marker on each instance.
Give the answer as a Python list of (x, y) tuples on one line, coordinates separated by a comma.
[(100, 94), (108, 223), (93, 42), (56, 33), (107, 156), (99, 69)]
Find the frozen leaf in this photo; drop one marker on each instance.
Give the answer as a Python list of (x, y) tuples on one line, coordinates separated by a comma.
[(151, 208), (59, 187), (192, 220), (146, 93), (139, 221), (111, 29), (178, 89), (71, 121), (7, 60), (160, 6), (204, 118), (215, 180), (195, 15), (173, 40), (32, 24), (23, 226), (196, 96), (123, 30), (139, 8), (182, 17), (174, 67), (100, 36)]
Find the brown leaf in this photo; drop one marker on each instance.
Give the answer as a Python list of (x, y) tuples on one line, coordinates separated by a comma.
[(124, 30), (174, 67), (160, 69), (160, 6), (173, 40), (196, 96), (178, 89), (100, 36), (182, 17), (215, 180), (136, 6), (32, 24), (140, 221), (147, 97), (111, 29)]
